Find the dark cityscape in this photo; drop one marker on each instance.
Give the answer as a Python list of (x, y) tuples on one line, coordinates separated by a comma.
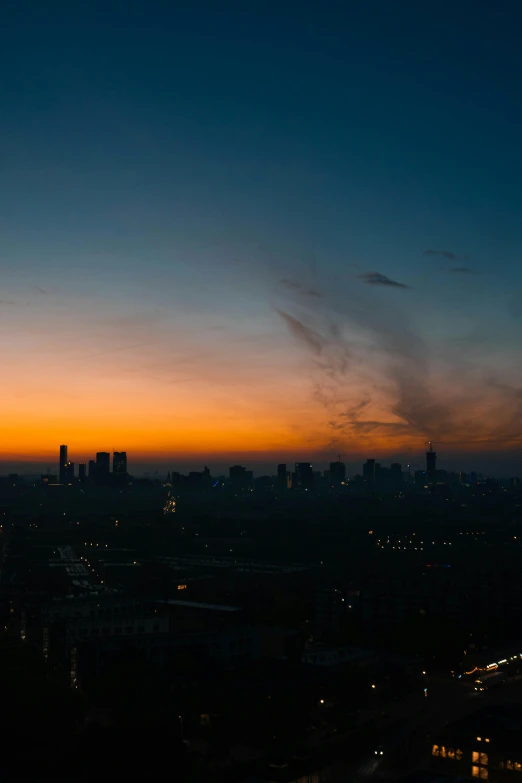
[(289, 627)]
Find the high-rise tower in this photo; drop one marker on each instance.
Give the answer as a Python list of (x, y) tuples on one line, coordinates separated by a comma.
[(119, 462), (63, 464), (431, 460)]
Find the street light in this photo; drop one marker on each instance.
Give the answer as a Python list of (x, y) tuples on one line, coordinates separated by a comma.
[(374, 686)]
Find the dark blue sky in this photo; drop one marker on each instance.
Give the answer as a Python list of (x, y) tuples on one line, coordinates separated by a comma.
[(165, 165)]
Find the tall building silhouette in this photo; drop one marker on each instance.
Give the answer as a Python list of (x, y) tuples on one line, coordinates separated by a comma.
[(431, 460), (396, 473), (119, 462), (304, 475), (281, 475), (69, 473), (240, 478), (337, 472), (82, 472), (103, 464), (92, 468), (63, 464), (369, 472)]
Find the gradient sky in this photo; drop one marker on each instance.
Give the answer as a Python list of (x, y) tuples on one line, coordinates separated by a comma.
[(261, 231)]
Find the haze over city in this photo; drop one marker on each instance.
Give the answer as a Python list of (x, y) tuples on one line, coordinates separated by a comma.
[(260, 237)]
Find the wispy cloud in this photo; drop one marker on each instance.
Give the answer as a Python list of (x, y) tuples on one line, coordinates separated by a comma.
[(381, 383), (446, 253), (310, 338), (118, 349), (462, 270), (6, 302), (376, 278), (296, 286)]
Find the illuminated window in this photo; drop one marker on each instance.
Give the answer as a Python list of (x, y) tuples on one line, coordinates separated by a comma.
[(479, 739), (475, 772), (450, 753), (487, 739), (458, 754), (182, 587), (483, 759), (483, 773), (435, 751), (475, 756)]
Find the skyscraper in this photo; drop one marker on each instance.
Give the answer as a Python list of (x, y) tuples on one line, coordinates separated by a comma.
[(396, 473), (92, 469), (240, 478), (431, 461), (119, 462), (69, 473), (63, 463), (82, 471), (304, 475), (337, 472), (369, 472), (282, 480), (103, 464)]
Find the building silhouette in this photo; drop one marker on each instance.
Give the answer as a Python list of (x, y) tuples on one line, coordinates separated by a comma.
[(282, 476), (240, 478), (396, 473), (431, 461), (119, 462), (63, 463), (304, 475), (369, 472), (92, 468), (103, 464), (337, 474), (68, 473), (82, 471)]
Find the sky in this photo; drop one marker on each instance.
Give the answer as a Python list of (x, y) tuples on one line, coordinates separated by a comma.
[(264, 231)]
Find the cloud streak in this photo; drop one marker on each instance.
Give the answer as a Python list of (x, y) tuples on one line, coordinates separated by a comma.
[(376, 278), (295, 286), (308, 337), (462, 270), (445, 253)]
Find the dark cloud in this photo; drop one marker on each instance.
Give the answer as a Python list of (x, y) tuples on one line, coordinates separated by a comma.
[(311, 339), (462, 270), (408, 387), (42, 290), (375, 278), (445, 253), (294, 285), (384, 427), (355, 411)]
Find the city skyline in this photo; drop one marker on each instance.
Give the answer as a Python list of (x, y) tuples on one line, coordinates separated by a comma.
[(211, 254), (116, 461)]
